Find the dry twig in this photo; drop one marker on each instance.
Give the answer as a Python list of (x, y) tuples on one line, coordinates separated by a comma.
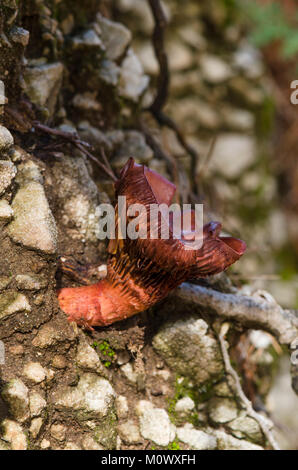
[(263, 422), (81, 145), (247, 311), (163, 81)]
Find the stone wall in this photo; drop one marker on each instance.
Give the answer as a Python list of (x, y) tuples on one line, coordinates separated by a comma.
[(157, 380)]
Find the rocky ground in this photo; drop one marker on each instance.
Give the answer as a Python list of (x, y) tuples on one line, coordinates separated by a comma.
[(158, 380)]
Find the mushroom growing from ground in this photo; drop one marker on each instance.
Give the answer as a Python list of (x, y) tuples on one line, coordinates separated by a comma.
[(142, 271)]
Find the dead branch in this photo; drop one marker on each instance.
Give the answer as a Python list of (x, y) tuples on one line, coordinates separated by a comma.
[(247, 311), (158, 41), (263, 422), (163, 81), (81, 145)]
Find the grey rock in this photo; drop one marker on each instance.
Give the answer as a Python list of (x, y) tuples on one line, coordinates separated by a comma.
[(92, 397), (134, 145), (45, 444), (48, 336), (7, 173), (222, 410), (248, 59), (214, 69), (35, 372), (58, 431), (86, 101), (36, 403), (30, 282), (147, 57), (132, 82), (29, 171), (42, 84), (88, 443), (155, 424), (188, 347), (87, 40), (227, 442), (6, 139), (222, 389), (180, 56), (115, 37), (129, 432), (142, 11), (246, 427), (72, 446), (33, 225), (109, 72), (16, 395), (14, 434), (78, 198), (232, 154), (4, 282), (87, 358), (35, 427), (129, 372), (184, 405), (3, 445), (238, 119), (19, 35), (13, 302), (6, 212), (196, 439), (121, 406), (195, 113)]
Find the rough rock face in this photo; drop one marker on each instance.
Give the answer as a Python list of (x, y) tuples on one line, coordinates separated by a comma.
[(188, 347), (156, 380)]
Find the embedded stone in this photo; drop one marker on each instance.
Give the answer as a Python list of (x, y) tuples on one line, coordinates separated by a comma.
[(87, 357), (19, 35), (6, 212), (35, 427), (16, 395), (184, 405), (43, 84), (129, 432), (227, 442), (222, 410), (155, 424), (121, 406), (115, 37), (58, 432), (7, 173), (190, 349), (35, 372), (132, 81), (36, 403), (214, 69), (93, 396), (33, 225), (13, 302), (88, 443), (14, 434), (6, 139), (196, 439)]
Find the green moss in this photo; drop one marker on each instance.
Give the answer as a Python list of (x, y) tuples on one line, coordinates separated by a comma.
[(106, 353), (174, 446), (106, 349)]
